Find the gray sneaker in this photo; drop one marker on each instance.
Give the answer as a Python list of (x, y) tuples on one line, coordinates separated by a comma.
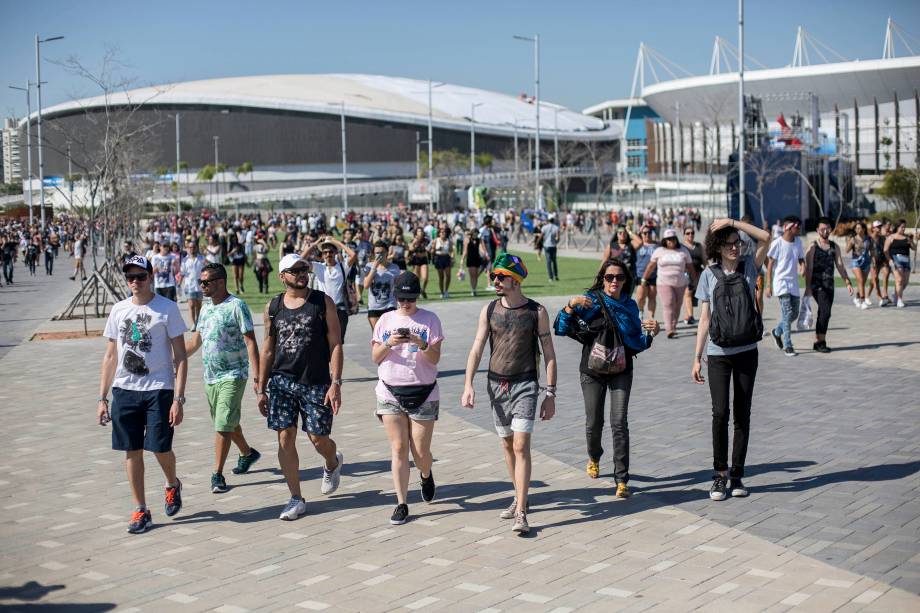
[(332, 478), (511, 511), (294, 509), (520, 523)]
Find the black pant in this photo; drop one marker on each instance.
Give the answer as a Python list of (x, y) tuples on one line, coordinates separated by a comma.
[(167, 292), (8, 271), (824, 298), (741, 370), (49, 263), (343, 321), (594, 390), (552, 268)]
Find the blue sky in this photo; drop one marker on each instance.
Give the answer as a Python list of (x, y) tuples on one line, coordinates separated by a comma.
[(588, 48)]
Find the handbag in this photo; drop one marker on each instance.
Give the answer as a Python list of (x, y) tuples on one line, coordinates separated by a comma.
[(410, 396), (607, 355), (351, 294)]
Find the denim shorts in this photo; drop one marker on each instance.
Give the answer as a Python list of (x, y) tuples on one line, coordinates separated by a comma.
[(287, 399), (140, 420), (514, 404), (194, 295), (901, 262), (427, 411)]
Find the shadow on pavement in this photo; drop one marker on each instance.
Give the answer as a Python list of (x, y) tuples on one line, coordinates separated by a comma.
[(875, 346), (31, 590)]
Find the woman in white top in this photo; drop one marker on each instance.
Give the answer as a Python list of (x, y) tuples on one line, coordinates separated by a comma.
[(443, 251)]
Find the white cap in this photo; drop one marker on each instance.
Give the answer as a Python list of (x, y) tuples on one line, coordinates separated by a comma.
[(669, 233), (136, 260), (877, 223), (288, 261)]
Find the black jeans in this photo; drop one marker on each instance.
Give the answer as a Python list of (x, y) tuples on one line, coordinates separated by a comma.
[(739, 369), (343, 321), (594, 390), (8, 271), (824, 298), (552, 268), (49, 263)]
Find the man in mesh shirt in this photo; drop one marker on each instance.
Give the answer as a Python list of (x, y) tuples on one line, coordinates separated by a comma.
[(517, 328)]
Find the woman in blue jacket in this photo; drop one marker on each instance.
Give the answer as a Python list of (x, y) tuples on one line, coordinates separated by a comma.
[(583, 320)]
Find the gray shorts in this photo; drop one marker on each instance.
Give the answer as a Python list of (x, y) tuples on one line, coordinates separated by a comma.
[(514, 405), (427, 411)]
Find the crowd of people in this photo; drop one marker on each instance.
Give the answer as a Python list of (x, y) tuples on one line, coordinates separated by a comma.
[(326, 264), (38, 248)]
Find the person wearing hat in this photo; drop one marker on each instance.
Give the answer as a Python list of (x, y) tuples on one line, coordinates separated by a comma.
[(300, 375), (331, 273), (406, 346), (145, 367), (517, 329), (674, 269)]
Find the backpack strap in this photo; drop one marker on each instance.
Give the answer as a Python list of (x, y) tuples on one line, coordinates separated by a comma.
[(274, 307)]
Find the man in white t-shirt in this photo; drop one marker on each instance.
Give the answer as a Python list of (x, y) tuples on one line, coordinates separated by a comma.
[(784, 260), (550, 232), (331, 273), (145, 349), (165, 266)]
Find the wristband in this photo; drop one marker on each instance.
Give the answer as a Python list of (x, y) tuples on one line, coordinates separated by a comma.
[(103, 399)]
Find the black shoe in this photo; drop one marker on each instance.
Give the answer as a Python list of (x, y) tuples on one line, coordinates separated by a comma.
[(717, 491), (689, 321), (245, 462), (790, 352), (822, 347), (218, 484), (778, 339), (400, 515), (428, 487), (174, 499), (141, 521), (737, 489)]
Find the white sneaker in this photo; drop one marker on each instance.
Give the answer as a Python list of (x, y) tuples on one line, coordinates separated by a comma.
[(864, 305), (884, 302), (901, 304), (332, 478), (856, 302), (867, 302), (294, 509)]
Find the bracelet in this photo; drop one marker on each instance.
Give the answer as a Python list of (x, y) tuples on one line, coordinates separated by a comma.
[(103, 399)]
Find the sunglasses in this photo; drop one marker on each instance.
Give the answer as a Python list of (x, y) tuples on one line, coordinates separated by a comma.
[(136, 276), (689, 233), (619, 278), (329, 252), (207, 282), (498, 277), (300, 270), (735, 245), (406, 299)]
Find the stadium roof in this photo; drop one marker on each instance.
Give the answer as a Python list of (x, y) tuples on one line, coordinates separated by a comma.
[(714, 98), (365, 96)]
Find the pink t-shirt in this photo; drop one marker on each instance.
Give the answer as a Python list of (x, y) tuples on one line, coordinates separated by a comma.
[(672, 264), (393, 369)]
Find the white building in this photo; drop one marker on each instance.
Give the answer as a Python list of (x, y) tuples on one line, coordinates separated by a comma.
[(10, 143)]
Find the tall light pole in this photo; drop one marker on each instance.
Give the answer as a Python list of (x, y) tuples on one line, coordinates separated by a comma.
[(38, 85), (28, 90), (473, 139), (680, 149), (178, 175), (217, 172), (536, 71), (517, 172), (344, 164), (69, 175), (741, 140), (430, 147), (556, 146)]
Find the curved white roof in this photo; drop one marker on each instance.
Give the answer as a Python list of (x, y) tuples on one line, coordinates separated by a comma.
[(714, 98), (365, 96)]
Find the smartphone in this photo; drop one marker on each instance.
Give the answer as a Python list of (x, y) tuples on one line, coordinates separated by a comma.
[(404, 332)]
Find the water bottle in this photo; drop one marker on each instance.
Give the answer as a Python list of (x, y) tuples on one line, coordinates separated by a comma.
[(413, 349)]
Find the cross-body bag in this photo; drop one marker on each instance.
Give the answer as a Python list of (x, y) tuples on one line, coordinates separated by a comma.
[(607, 355), (410, 396)]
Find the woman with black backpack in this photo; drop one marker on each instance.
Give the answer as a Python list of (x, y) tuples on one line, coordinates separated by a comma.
[(730, 328), (605, 320)]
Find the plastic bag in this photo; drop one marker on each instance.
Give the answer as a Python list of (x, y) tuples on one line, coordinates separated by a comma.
[(461, 274), (806, 315)]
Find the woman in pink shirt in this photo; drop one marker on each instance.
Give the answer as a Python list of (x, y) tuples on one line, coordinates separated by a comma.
[(675, 271), (407, 347)]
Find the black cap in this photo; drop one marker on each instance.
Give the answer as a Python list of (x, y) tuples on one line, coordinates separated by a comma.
[(407, 285)]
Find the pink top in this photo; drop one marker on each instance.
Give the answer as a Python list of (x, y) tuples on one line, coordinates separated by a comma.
[(393, 369), (672, 264)]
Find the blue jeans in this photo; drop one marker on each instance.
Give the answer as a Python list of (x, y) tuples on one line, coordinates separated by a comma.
[(552, 268), (789, 312)]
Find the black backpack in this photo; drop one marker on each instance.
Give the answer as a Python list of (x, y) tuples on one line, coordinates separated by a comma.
[(734, 319)]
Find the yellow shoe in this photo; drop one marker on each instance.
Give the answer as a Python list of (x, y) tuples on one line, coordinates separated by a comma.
[(593, 469), (622, 490)]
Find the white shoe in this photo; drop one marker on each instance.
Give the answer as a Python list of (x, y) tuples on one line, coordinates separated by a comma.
[(901, 304), (294, 509), (332, 478), (867, 302), (856, 302), (884, 302), (864, 305)]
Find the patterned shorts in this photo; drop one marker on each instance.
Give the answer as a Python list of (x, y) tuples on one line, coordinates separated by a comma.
[(288, 398)]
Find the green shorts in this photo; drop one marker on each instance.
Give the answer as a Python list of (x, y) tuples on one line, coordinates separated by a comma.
[(225, 399)]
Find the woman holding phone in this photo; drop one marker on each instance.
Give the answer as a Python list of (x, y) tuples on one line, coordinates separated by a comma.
[(406, 346), (379, 278)]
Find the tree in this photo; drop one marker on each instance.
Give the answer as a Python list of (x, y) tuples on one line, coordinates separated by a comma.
[(245, 169), (484, 161), (900, 187), (766, 166)]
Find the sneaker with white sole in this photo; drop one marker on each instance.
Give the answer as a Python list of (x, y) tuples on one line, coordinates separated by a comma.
[(867, 301), (737, 489), (857, 302), (520, 523), (789, 352), (294, 509), (901, 304), (400, 514), (717, 491), (884, 302), (511, 511), (864, 305), (331, 478)]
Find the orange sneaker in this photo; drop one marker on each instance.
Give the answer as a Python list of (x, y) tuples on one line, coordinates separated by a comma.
[(622, 490), (593, 469)]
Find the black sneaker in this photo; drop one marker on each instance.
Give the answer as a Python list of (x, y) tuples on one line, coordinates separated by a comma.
[(400, 514), (218, 484), (717, 491), (737, 489), (790, 352), (690, 321), (174, 499), (244, 462), (822, 347), (778, 339), (141, 521), (428, 487)]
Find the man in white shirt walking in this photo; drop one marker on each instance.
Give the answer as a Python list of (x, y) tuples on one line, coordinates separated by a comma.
[(331, 273), (785, 260)]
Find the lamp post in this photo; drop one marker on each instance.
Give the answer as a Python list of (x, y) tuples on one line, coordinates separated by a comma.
[(430, 147), (473, 139), (556, 146), (741, 143), (344, 164), (28, 90), (38, 86), (178, 175), (536, 69), (216, 171)]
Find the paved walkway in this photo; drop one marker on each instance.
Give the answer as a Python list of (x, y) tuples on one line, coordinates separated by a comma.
[(832, 522)]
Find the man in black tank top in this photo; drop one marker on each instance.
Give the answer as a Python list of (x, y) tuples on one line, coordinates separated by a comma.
[(517, 328), (303, 343), (820, 259)]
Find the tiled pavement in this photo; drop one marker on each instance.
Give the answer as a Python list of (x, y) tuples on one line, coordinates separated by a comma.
[(832, 522)]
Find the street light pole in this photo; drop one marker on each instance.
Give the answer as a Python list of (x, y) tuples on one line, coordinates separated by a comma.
[(680, 150), (556, 146), (473, 139), (69, 175), (741, 140), (430, 149), (38, 85), (28, 90), (536, 67), (418, 156), (344, 164), (517, 173), (216, 172), (178, 205)]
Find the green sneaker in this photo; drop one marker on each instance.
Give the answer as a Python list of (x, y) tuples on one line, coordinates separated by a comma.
[(244, 462), (218, 484)]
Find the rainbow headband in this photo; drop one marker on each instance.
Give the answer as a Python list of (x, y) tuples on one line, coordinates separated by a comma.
[(510, 265)]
